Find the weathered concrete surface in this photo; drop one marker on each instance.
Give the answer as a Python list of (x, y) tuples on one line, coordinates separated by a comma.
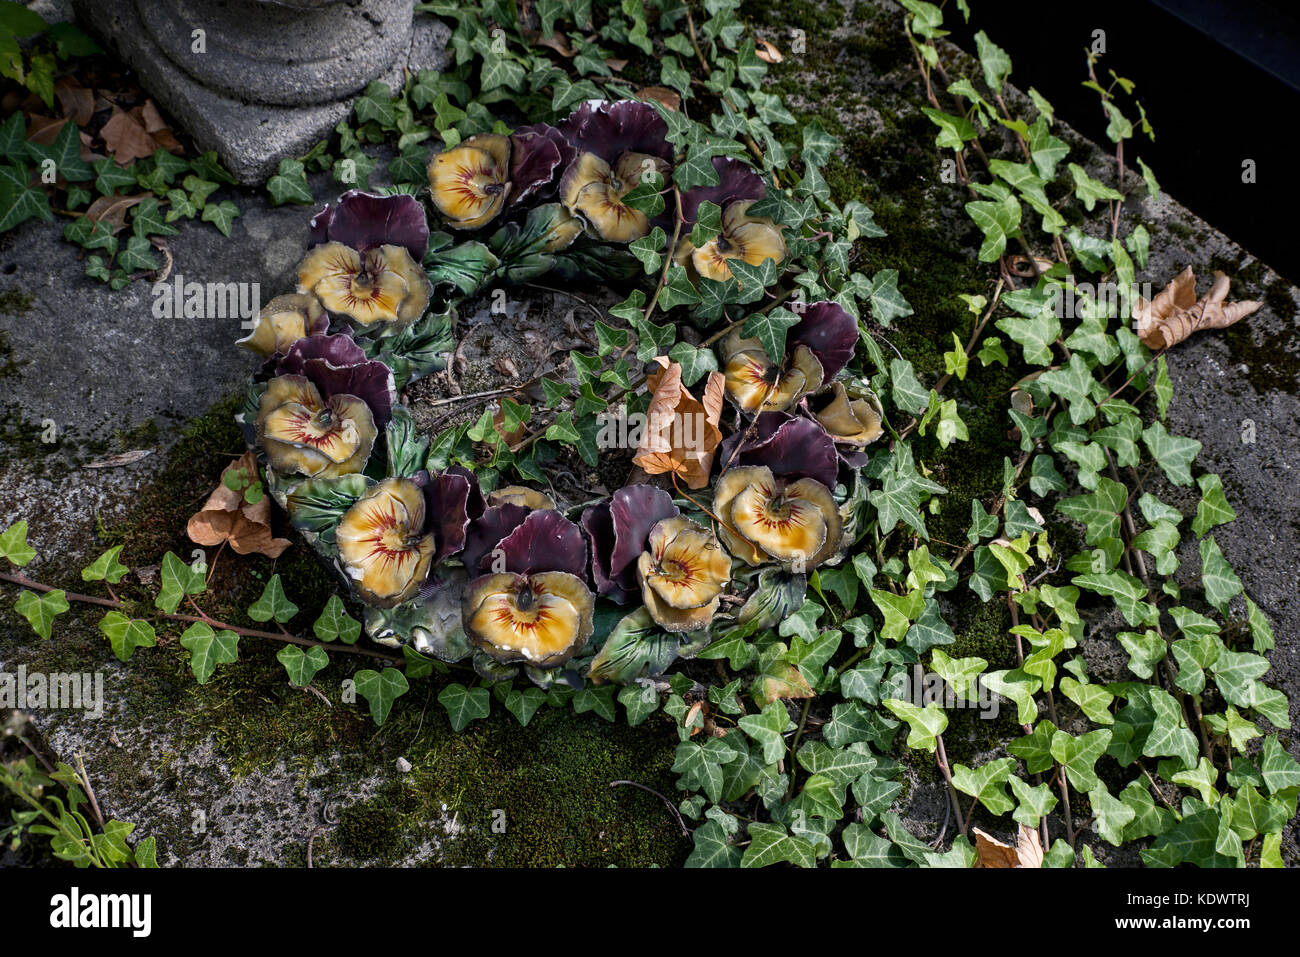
[(166, 749), (251, 134)]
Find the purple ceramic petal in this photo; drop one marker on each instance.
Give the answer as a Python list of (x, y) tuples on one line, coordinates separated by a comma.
[(364, 220), (475, 504), (789, 445), (486, 532), (830, 332), (445, 513), (337, 366), (340, 349), (617, 531), (737, 181), (567, 153), (634, 510), (533, 162), (598, 525), (611, 129), (546, 541)]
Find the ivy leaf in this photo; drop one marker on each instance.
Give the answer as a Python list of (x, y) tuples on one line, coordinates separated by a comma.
[(178, 580), (766, 730), (1017, 687), (1035, 801), (13, 544), (1279, 770), (900, 495), (1093, 700), (126, 634), (887, 303), (999, 221), (1213, 509), (1078, 755), (137, 255), (1169, 735), (1220, 581), (712, 849), (19, 200), (771, 844), (65, 151), (1089, 190), (274, 603), (222, 215), (994, 61), (700, 766), (303, 665), (1174, 452), (1035, 748), (770, 330), (335, 623), (1035, 335), (523, 703), (954, 131), (924, 723), (208, 649), (105, 568), (986, 783), (1099, 510), (1112, 815), (289, 184), (463, 704), (39, 610), (381, 689)]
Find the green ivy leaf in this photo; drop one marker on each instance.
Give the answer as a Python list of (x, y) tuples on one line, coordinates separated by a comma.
[(178, 580), (463, 704), (335, 623), (986, 783), (39, 610), (302, 665), (289, 184), (924, 723), (126, 634), (13, 544), (381, 689), (274, 603), (208, 649)]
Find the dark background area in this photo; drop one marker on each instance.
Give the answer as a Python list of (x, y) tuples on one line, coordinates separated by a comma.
[(1220, 82)]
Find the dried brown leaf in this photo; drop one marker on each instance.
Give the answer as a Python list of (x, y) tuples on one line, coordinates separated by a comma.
[(767, 52), (116, 461), (1175, 313), (126, 138), (1027, 852), (558, 42), (112, 209), (78, 102), (662, 94), (227, 518), (681, 434)]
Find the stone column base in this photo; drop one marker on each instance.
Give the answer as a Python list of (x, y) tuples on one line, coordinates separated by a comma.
[(250, 137)]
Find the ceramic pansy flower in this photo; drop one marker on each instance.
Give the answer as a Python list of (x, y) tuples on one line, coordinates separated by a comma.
[(382, 544)]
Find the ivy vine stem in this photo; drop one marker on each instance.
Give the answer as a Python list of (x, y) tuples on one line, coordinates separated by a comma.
[(203, 618)]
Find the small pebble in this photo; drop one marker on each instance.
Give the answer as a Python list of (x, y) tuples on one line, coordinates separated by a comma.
[(403, 765)]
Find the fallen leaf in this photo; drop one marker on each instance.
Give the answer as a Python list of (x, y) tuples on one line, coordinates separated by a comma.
[(157, 127), (112, 209), (126, 138), (681, 433), (1027, 852), (615, 64), (116, 461), (1176, 313), (78, 102), (42, 130), (557, 42), (227, 517), (767, 52), (669, 98), (499, 423)]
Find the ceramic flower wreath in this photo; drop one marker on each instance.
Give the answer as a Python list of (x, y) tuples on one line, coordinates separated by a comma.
[(506, 576)]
